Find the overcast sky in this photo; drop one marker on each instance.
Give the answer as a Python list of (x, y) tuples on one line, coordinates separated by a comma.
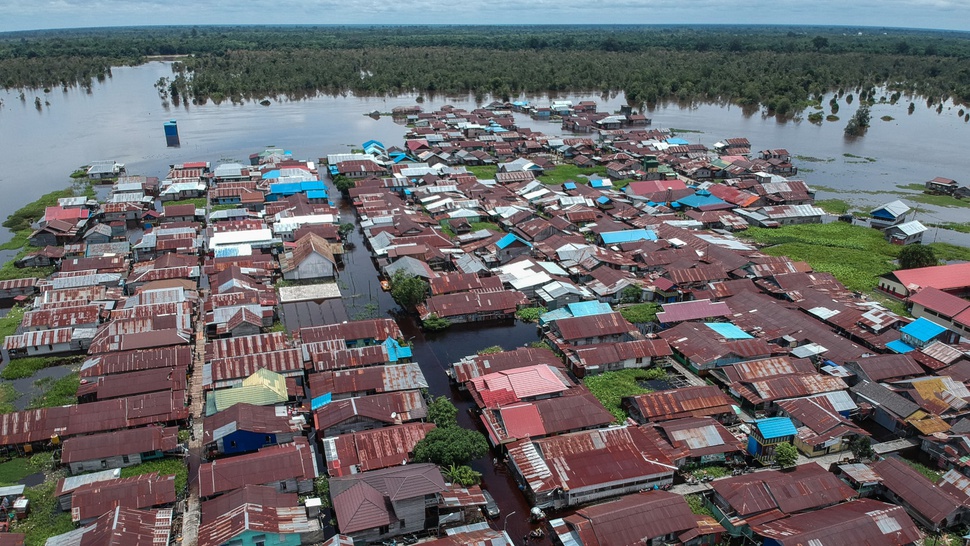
[(44, 14)]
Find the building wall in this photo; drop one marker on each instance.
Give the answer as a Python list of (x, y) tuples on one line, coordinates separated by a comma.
[(355, 424), (49, 349), (313, 267), (102, 464)]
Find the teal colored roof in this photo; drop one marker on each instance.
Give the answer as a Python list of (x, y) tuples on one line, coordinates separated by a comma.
[(396, 351), (775, 427), (899, 347), (602, 199), (289, 188), (677, 141), (578, 309), (320, 401), (922, 329), (727, 330), (701, 199), (509, 239), (598, 183), (628, 236), (271, 174), (569, 186), (316, 194)]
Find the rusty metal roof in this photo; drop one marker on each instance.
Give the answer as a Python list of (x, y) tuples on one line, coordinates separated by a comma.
[(926, 499), (634, 519), (807, 486), (850, 524), (703, 401), (471, 367), (764, 368), (63, 317), (341, 359), (123, 442), (592, 326), (247, 417), (390, 408), (268, 465), (245, 345), (144, 491), (239, 367), (791, 386), (457, 496), (883, 367), (606, 353), (375, 329), (468, 303), (141, 382), (130, 361), (701, 436), (359, 499), (255, 509), (372, 449), (378, 379)]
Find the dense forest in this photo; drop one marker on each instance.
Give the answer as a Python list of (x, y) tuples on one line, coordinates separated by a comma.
[(781, 68)]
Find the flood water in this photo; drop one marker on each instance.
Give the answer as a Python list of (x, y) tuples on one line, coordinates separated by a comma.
[(122, 120)]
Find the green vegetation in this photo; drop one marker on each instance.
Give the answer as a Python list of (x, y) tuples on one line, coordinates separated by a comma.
[(11, 321), (913, 256), (164, 467), (833, 206), (649, 63), (484, 172), (914, 187), (277, 327), (541, 344), (864, 159), (530, 314), (343, 184), (491, 226), (948, 252), (490, 350), (927, 472), (856, 255), (696, 503), (560, 174), (321, 488), (463, 475), (21, 221), (611, 387), (56, 392), (14, 470), (215, 208), (446, 229), (631, 294), (46, 518), (198, 202), (786, 455), (8, 395), (887, 118), (640, 313), (408, 290), (434, 323), (938, 200), (20, 368), (442, 412), (80, 172), (861, 447), (450, 445), (811, 159)]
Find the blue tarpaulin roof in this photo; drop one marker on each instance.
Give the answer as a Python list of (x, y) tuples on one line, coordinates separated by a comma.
[(289, 188), (899, 347), (395, 351), (628, 236), (699, 200), (922, 329), (509, 239), (271, 174), (316, 194), (727, 330), (320, 401), (569, 186), (677, 141), (598, 183), (602, 199), (775, 427), (577, 309)]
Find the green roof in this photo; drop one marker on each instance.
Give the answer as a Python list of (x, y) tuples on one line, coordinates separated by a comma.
[(263, 388)]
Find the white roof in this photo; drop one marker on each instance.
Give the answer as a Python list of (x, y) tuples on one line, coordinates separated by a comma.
[(896, 208), (225, 238), (911, 228)]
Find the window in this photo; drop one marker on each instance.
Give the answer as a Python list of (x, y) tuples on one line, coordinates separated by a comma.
[(282, 486), (104, 464), (124, 459)]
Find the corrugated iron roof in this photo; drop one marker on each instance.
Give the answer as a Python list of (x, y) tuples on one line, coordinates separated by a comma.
[(130, 361), (245, 345), (123, 442), (858, 522), (372, 449), (702, 401), (633, 519), (692, 310), (375, 329), (247, 417), (255, 509), (471, 367), (359, 500), (928, 500), (390, 408), (268, 465), (144, 491), (378, 379), (516, 384), (592, 326)]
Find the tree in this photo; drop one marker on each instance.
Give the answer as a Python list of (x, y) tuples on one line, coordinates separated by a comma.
[(786, 455), (913, 256), (631, 294), (448, 446), (463, 475), (442, 412), (820, 42), (434, 323), (408, 290), (861, 447), (343, 184), (345, 229), (859, 122)]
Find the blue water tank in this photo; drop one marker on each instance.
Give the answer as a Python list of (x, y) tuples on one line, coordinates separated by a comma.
[(172, 133)]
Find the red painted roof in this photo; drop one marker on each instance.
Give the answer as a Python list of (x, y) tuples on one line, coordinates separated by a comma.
[(944, 277), (937, 300), (522, 421), (69, 215)]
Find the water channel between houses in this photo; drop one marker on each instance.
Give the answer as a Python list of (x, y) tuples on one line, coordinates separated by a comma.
[(122, 119)]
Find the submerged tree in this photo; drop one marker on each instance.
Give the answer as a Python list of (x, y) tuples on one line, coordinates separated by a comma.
[(859, 122), (913, 256)]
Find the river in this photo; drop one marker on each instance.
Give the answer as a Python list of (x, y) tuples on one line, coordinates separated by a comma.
[(121, 119)]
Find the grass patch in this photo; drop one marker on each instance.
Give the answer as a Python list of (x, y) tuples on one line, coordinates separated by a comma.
[(611, 387), (946, 201), (8, 394), (954, 226), (673, 131), (696, 504), (813, 159), (491, 226), (561, 174), (834, 206), (485, 172), (56, 392), (530, 314), (14, 470), (21, 368), (10, 271), (26, 215), (887, 118), (446, 229), (641, 312), (949, 253), (914, 187), (543, 344), (831, 117), (490, 350), (927, 472), (199, 202), (164, 467), (620, 184), (46, 519), (856, 255), (10, 322)]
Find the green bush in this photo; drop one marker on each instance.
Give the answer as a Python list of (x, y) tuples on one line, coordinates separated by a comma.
[(640, 313), (435, 324), (56, 392), (20, 368), (611, 388), (530, 314)]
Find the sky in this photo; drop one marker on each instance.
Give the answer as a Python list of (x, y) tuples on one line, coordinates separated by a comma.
[(48, 14)]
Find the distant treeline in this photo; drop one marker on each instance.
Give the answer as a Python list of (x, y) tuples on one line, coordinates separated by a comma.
[(782, 68)]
